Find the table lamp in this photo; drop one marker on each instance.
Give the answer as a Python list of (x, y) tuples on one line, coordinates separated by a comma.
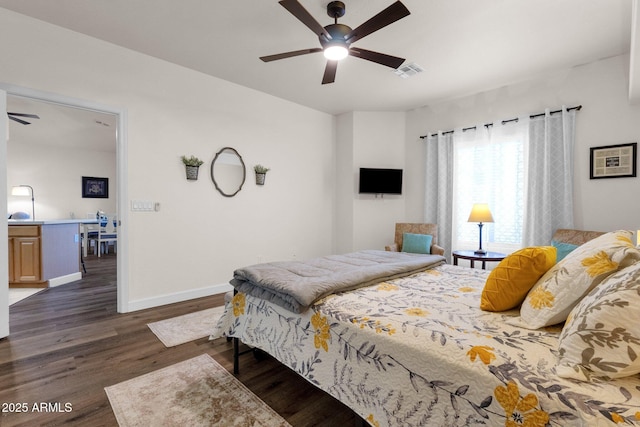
[(25, 190), (480, 213)]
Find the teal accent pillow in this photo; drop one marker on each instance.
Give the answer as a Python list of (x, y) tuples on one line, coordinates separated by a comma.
[(417, 243), (563, 249)]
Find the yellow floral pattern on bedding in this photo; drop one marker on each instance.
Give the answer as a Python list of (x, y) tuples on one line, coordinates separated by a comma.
[(418, 351), (556, 293)]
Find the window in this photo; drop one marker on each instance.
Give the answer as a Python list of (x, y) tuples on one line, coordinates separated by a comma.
[(489, 167)]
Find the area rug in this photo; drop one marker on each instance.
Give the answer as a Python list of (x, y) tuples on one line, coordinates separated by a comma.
[(189, 327), (196, 392)]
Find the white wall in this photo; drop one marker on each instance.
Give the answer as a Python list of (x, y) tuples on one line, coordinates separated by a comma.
[(369, 139), (344, 189), (198, 237), (606, 118), (55, 173)]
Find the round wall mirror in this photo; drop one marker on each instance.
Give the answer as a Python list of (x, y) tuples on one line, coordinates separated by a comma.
[(228, 172)]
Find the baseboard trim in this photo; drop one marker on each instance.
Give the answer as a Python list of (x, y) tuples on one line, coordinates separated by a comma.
[(57, 281), (152, 302)]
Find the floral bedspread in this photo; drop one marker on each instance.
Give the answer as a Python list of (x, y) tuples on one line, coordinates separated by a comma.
[(418, 351)]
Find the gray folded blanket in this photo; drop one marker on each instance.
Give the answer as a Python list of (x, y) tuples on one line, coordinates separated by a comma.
[(296, 285)]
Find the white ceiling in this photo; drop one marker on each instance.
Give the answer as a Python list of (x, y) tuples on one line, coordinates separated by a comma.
[(61, 126), (464, 46)]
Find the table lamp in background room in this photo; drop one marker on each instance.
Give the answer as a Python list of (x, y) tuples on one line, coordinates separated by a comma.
[(480, 213), (25, 190)]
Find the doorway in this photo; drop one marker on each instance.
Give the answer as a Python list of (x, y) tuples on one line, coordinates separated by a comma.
[(102, 117)]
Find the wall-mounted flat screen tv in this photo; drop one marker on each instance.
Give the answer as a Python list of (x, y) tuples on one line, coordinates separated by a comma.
[(380, 181)]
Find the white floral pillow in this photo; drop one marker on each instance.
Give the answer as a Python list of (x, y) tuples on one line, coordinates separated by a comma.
[(565, 284), (601, 338)]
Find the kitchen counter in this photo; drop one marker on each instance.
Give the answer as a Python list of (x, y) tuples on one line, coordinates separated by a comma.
[(44, 253), (52, 221)]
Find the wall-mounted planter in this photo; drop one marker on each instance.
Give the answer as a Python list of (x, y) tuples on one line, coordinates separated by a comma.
[(261, 173), (191, 164), (192, 172)]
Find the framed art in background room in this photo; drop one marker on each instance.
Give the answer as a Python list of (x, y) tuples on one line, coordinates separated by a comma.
[(97, 188), (613, 161)]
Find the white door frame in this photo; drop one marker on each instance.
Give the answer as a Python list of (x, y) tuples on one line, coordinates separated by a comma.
[(4, 266), (121, 172)]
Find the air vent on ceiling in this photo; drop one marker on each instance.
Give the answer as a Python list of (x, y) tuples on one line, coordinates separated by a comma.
[(408, 70)]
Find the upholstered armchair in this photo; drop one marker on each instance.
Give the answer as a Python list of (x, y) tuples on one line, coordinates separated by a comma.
[(415, 228), (566, 240), (574, 237)]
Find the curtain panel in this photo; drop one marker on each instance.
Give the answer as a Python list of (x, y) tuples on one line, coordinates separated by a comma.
[(438, 208), (549, 202)]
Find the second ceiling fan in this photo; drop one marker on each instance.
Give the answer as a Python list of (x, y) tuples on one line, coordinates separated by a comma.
[(336, 39), (14, 117)]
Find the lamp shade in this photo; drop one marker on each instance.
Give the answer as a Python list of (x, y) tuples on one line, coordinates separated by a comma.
[(20, 190), (480, 212)]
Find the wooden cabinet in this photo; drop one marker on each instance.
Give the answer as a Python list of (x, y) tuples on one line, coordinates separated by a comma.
[(25, 257)]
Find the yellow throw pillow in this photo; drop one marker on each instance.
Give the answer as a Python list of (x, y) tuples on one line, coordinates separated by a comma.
[(510, 281)]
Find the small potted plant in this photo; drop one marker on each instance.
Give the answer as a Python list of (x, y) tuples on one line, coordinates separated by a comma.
[(192, 164), (261, 173)]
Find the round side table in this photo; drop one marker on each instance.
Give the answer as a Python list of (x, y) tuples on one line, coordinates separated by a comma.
[(472, 256)]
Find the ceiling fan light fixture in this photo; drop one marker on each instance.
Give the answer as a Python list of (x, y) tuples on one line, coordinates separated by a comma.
[(336, 39), (336, 51)]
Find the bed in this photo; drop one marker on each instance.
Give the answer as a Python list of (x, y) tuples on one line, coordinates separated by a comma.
[(416, 350)]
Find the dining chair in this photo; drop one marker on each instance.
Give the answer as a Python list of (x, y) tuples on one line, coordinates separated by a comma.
[(90, 235), (107, 233)]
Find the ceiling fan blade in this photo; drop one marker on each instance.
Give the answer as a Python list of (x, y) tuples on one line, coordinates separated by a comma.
[(380, 58), (284, 55), (297, 10), (388, 16), (31, 116), (330, 72), (19, 121)]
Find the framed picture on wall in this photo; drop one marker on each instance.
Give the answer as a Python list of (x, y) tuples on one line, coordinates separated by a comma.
[(95, 188), (613, 161)]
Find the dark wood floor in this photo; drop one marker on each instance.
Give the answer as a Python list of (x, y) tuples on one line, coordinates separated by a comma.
[(67, 343)]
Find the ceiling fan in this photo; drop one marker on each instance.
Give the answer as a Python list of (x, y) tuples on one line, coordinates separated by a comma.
[(336, 39), (14, 117)]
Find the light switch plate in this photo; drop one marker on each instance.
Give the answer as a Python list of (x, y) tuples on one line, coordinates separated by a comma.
[(143, 206)]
